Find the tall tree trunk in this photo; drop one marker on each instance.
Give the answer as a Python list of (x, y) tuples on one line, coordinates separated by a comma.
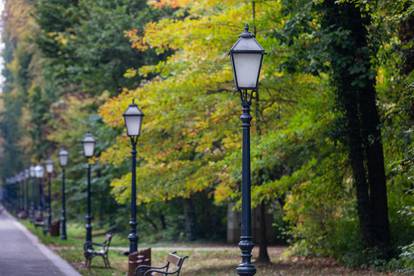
[(263, 243), (190, 219), (376, 170), (163, 221), (353, 78), (356, 158), (263, 254)]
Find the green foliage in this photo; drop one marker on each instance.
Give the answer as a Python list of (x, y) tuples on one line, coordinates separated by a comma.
[(74, 66)]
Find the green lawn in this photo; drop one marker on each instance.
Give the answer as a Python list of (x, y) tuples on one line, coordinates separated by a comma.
[(204, 260)]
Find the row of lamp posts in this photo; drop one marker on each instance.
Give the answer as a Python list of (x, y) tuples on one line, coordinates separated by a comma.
[(31, 192), (246, 58)]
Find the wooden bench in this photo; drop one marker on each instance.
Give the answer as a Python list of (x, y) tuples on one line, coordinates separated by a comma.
[(38, 222), (102, 252), (140, 258), (54, 228), (174, 262)]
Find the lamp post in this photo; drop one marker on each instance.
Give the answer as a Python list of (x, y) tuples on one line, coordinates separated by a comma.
[(32, 172), (63, 160), (39, 175), (133, 121), (88, 143), (246, 57), (26, 190), (21, 193), (49, 170)]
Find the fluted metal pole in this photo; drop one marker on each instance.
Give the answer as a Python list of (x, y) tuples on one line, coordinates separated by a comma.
[(133, 236), (49, 201), (246, 268), (88, 218), (63, 211)]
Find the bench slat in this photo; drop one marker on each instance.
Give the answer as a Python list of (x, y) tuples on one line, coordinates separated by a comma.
[(174, 259)]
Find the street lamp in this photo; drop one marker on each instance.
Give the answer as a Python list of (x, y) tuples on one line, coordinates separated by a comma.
[(39, 175), (19, 178), (63, 161), (32, 172), (49, 170), (246, 57), (133, 121), (22, 192), (26, 189), (88, 143)]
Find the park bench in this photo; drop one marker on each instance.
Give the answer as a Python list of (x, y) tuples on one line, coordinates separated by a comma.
[(102, 252), (174, 262), (54, 228), (136, 259), (38, 221)]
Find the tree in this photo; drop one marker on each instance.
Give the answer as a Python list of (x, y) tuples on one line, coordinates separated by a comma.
[(354, 78)]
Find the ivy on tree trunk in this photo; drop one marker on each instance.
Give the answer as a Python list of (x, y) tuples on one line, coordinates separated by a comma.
[(354, 79)]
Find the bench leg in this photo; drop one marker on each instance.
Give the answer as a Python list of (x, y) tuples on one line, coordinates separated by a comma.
[(106, 261), (88, 262)]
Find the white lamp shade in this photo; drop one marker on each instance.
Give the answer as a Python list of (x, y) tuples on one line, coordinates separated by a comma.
[(27, 173), (49, 166), (32, 171), (246, 69), (246, 57), (63, 157), (39, 171), (88, 145), (133, 120)]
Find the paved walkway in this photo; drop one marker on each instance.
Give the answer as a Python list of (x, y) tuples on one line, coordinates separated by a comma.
[(21, 254)]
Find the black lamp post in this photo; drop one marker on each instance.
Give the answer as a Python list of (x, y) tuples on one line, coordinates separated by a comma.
[(133, 121), (26, 190), (63, 161), (49, 170), (20, 178), (32, 172), (88, 143), (39, 175), (246, 57)]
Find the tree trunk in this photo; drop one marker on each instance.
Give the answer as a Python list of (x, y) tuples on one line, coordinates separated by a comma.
[(356, 158), (190, 219), (353, 78), (163, 222), (263, 243), (376, 170), (263, 254)]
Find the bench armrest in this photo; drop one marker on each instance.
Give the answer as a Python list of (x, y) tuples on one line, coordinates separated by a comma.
[(151, 267), (148, 267), (148, 272)]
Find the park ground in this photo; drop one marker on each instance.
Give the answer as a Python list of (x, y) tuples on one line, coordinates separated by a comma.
[(204, 259)]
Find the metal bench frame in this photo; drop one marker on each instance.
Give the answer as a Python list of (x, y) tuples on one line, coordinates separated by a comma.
[(103, 252), (172, 259)]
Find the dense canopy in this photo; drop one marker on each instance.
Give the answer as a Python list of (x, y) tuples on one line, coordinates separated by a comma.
[(332, 136)]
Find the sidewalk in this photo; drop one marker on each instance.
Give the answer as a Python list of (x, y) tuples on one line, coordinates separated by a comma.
[(21, 253)]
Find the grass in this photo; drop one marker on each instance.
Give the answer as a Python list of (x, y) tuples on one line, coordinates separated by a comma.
[(204, 260)]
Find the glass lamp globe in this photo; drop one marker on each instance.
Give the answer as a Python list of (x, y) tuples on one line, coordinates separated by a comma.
[(88, 143), (247, 57), (49, 166), (32, 171), (39, 171), (63, 157), (133, 120)]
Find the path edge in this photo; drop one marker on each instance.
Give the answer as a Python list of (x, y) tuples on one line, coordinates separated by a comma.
[(58, 261)]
